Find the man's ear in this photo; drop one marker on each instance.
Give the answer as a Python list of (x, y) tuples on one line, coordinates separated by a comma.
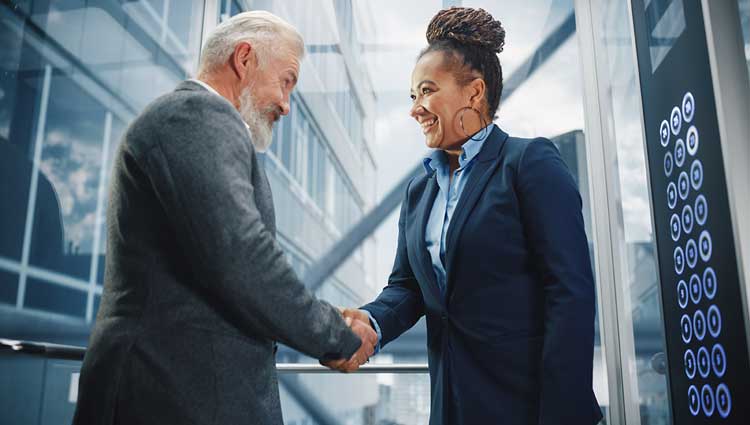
[(243, 59)]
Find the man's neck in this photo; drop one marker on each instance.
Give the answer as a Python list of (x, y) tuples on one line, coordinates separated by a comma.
[(225, 90)]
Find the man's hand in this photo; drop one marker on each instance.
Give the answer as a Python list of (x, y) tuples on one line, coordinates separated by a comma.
[(367, 348)]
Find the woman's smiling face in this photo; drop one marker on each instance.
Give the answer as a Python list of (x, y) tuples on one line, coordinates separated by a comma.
[(438, 98)]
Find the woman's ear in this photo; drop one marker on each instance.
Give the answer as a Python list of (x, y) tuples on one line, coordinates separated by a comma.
[(476, 88)]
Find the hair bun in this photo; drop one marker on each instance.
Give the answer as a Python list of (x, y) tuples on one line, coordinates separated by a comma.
[(467, 26)]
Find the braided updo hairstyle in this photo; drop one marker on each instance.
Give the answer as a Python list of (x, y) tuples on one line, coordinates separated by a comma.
[(470, 39)]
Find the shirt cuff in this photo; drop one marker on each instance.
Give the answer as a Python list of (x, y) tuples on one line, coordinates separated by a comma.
[(374, 324)]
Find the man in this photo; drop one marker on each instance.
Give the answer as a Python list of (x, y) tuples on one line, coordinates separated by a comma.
[(196, 289)]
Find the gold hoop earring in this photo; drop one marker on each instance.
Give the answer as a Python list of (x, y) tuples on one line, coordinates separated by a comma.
[(482, 122)]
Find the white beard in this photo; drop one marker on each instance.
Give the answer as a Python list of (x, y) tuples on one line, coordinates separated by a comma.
[(261, 129)]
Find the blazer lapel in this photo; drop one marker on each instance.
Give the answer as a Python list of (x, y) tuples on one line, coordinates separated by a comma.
[(422, 256), (487, 161)]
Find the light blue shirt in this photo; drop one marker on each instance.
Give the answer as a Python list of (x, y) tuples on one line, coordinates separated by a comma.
[(445, 203)]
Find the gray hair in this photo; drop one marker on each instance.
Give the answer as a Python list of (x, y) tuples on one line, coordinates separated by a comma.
[(261, 29)]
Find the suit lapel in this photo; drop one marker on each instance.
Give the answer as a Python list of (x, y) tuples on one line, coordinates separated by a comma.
[(418, 233), (487, 161)]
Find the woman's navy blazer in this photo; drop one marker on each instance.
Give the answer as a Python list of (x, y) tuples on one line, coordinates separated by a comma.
[(512, 340)]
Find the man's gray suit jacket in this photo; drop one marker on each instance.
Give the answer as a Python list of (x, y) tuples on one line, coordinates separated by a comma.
[(196, 288)]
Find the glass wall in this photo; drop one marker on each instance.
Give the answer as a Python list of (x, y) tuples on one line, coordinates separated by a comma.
[(74, 74), (640, 305)]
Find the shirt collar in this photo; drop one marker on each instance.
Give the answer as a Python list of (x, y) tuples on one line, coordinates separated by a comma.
[(470, 149)]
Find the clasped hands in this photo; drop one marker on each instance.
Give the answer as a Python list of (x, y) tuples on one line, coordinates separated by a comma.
[(359, 322)]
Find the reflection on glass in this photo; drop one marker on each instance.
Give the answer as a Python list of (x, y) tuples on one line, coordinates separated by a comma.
[(73, 75), (666, 21), (622, 127), (744, 6)]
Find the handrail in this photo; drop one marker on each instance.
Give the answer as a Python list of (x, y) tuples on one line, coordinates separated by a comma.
[(72, 352)]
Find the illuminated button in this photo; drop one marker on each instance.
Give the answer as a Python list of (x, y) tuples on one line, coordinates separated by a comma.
[(689, 359), (682, 294), (674, 227), (699, 326), (695, 289), (714, 321), (723, 400), (687, 218), (691, 253), (668, 164), (707, 400), (709, 283), (696, 174), (664, 133), (692, 140), (671, 195), (679, 153), (701, 210), (718, 360), (688, 107), (683, 185), (704, 362), (679, 260), (675, 121), (705, 245), (694, 401), (687, 328)]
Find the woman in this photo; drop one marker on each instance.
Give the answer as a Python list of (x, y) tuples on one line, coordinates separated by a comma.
[(491, 249)]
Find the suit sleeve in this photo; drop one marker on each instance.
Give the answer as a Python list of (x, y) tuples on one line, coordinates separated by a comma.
[(201, 172), (551, 214), (400, 305)]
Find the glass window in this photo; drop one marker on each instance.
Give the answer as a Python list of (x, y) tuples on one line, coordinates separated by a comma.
[(74, 74)]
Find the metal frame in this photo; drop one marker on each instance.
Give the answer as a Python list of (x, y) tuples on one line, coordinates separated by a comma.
[(608, 268), (732, 94)]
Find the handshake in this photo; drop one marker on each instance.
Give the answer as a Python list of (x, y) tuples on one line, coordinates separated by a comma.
[(359, 322)]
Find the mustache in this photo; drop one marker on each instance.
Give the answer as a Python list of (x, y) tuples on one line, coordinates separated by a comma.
[(274, 112)]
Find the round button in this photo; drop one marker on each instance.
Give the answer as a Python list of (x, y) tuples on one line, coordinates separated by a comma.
[(718, 360), (687, 328), (701, 209), (723, 400), (696, 174), (694, 400), (707, 400), (668, 164), (687, 218), (679, 260), (691, 253), (709, 283), (674, 227), (705, 245), (671, 195), (695, 289), (682, 294), (714, 321), (704, 362), (688, 107), (692, 140), (675, 121), (664, 133), (689, 359), (679, 153), (699, 325), (683, 185)]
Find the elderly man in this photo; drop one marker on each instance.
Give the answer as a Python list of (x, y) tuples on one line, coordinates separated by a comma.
[(197, 290)]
